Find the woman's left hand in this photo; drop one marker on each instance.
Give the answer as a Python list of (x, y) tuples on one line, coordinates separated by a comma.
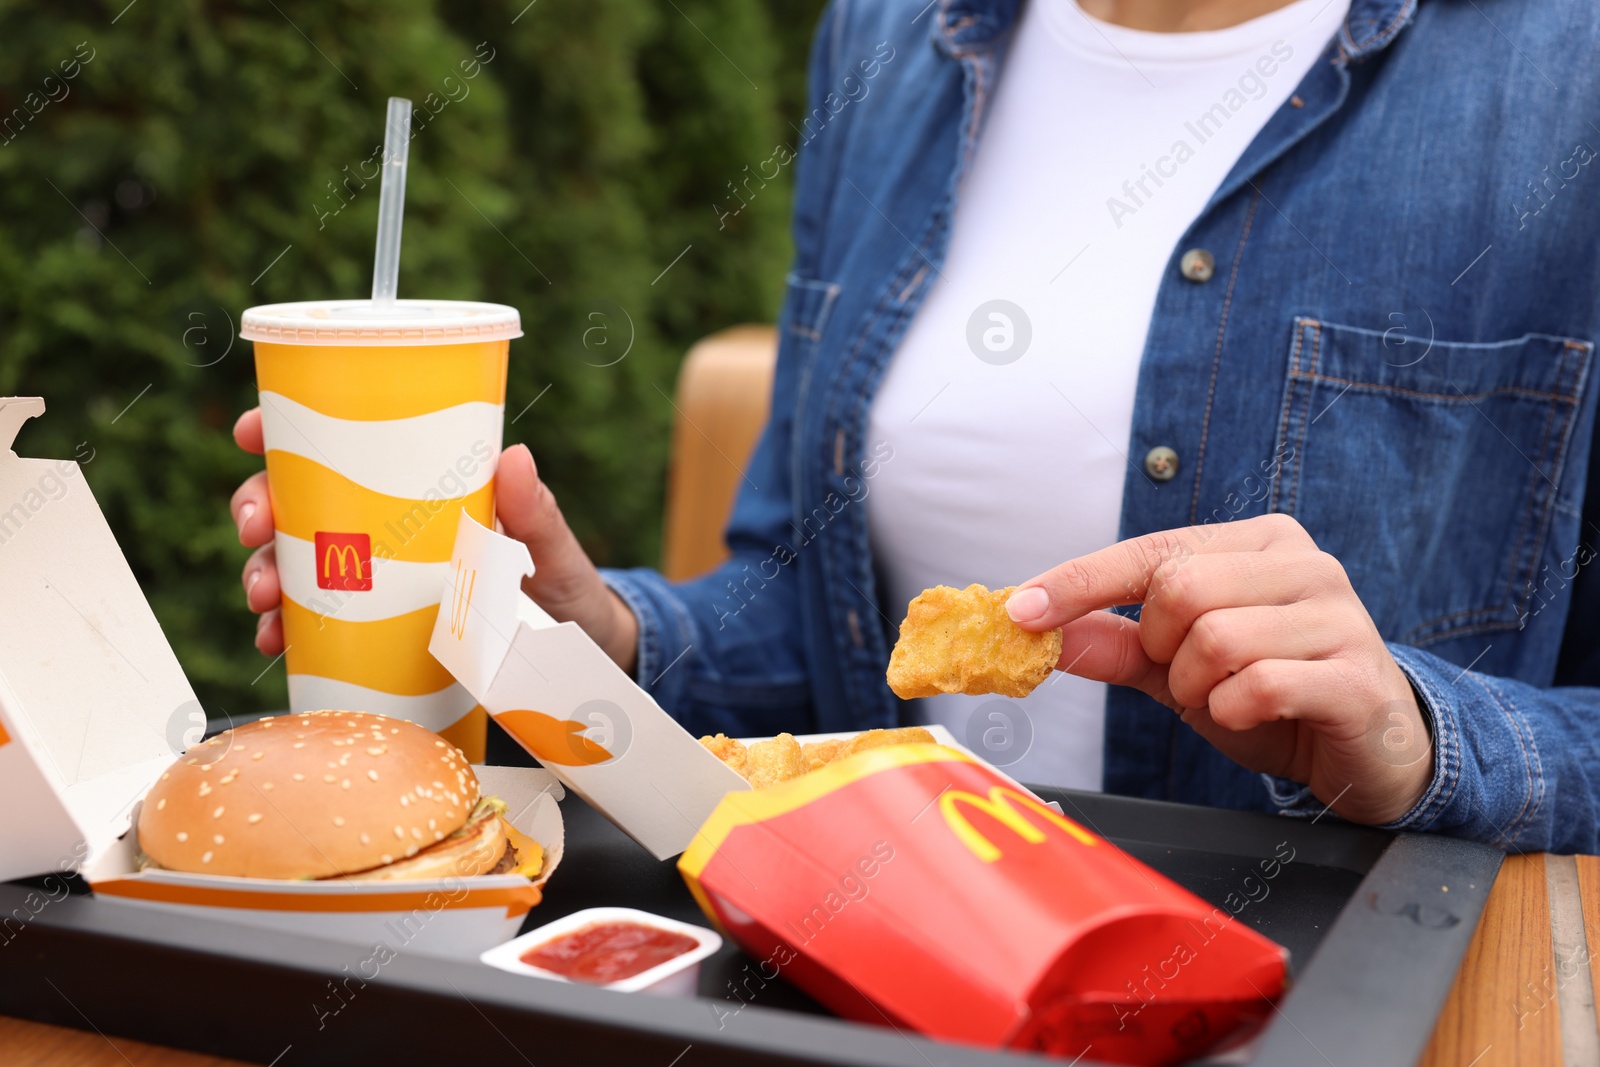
[(1257, 639)]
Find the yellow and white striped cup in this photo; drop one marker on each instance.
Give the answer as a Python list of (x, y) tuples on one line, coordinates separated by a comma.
[(381, 423)]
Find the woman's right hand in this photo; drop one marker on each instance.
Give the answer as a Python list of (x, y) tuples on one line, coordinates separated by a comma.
[(566, 583)]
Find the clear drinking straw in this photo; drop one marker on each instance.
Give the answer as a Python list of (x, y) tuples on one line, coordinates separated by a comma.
[(391, 200)]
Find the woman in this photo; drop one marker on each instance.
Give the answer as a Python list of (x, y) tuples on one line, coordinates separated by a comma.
[(1291, 305)]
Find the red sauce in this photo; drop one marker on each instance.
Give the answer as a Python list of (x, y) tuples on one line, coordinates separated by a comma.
[(608, 952)]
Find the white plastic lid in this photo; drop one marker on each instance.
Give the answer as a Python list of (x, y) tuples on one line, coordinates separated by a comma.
[(359, 322)]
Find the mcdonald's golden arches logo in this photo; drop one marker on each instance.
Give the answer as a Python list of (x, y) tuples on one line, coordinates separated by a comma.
[(461, 598), (998, 806), (344, 561)]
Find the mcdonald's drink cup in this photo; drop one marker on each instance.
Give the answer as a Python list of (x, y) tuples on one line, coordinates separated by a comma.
[(381, 425), (916, 887)]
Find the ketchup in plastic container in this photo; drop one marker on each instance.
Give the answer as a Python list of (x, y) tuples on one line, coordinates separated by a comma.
[(607, 952)]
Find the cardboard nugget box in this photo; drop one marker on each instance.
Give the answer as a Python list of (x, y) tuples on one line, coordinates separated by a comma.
[(917, 887), (564, 700), (94, 707)]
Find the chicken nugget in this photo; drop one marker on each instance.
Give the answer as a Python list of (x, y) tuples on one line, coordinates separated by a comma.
[(775, 760), (821, 753), (962, 641), (905, 735), (729, 750)]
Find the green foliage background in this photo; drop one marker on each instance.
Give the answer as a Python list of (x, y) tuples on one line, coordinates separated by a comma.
[(147, 205)]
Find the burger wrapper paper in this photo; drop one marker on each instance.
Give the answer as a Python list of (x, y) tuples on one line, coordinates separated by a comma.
[(913, 886)]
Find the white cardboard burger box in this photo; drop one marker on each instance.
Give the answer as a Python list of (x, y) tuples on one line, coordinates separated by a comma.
[(564, 700), (94, 707)]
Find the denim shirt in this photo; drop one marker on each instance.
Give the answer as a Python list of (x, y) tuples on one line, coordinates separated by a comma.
[(1395, 346)]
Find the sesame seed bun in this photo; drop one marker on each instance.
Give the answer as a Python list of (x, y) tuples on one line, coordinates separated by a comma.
[(315, 795), (478, 848)]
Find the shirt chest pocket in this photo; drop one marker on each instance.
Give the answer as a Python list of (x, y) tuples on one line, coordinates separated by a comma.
[(1431, 470)]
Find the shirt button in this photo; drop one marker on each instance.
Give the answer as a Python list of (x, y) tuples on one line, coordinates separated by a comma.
[(1198, 265), (1161, 463)]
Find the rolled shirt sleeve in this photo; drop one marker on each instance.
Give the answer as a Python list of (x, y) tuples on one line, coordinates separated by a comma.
[(1514, 765)]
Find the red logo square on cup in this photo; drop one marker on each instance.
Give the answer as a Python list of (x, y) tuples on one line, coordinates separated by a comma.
[(344, 561)]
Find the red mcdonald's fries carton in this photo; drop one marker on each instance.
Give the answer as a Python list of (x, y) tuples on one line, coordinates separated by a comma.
[(917, 887)]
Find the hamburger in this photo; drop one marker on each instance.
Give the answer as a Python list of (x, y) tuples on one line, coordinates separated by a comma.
[(329, 794)]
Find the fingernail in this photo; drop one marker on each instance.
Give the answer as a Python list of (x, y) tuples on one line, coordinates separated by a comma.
[(247, 509), (250, 581), (1028, 604), (261, 628)]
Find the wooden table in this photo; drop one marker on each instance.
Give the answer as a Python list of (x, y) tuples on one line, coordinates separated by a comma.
[(1525, 994), (38, 1045)]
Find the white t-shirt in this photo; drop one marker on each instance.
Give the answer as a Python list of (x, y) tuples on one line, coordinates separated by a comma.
[(1011, 421)]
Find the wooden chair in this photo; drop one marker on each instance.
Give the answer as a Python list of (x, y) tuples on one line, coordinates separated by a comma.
[(724, 391)]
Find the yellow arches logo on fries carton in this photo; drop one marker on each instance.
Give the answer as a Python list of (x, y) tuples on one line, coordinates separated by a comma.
[(998, 806), (88, 686)]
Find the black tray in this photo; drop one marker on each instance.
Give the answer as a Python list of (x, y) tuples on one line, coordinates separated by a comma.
[(1375, 935)]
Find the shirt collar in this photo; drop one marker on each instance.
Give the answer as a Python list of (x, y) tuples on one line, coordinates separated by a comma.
[(964, 26), (1372, 24)]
